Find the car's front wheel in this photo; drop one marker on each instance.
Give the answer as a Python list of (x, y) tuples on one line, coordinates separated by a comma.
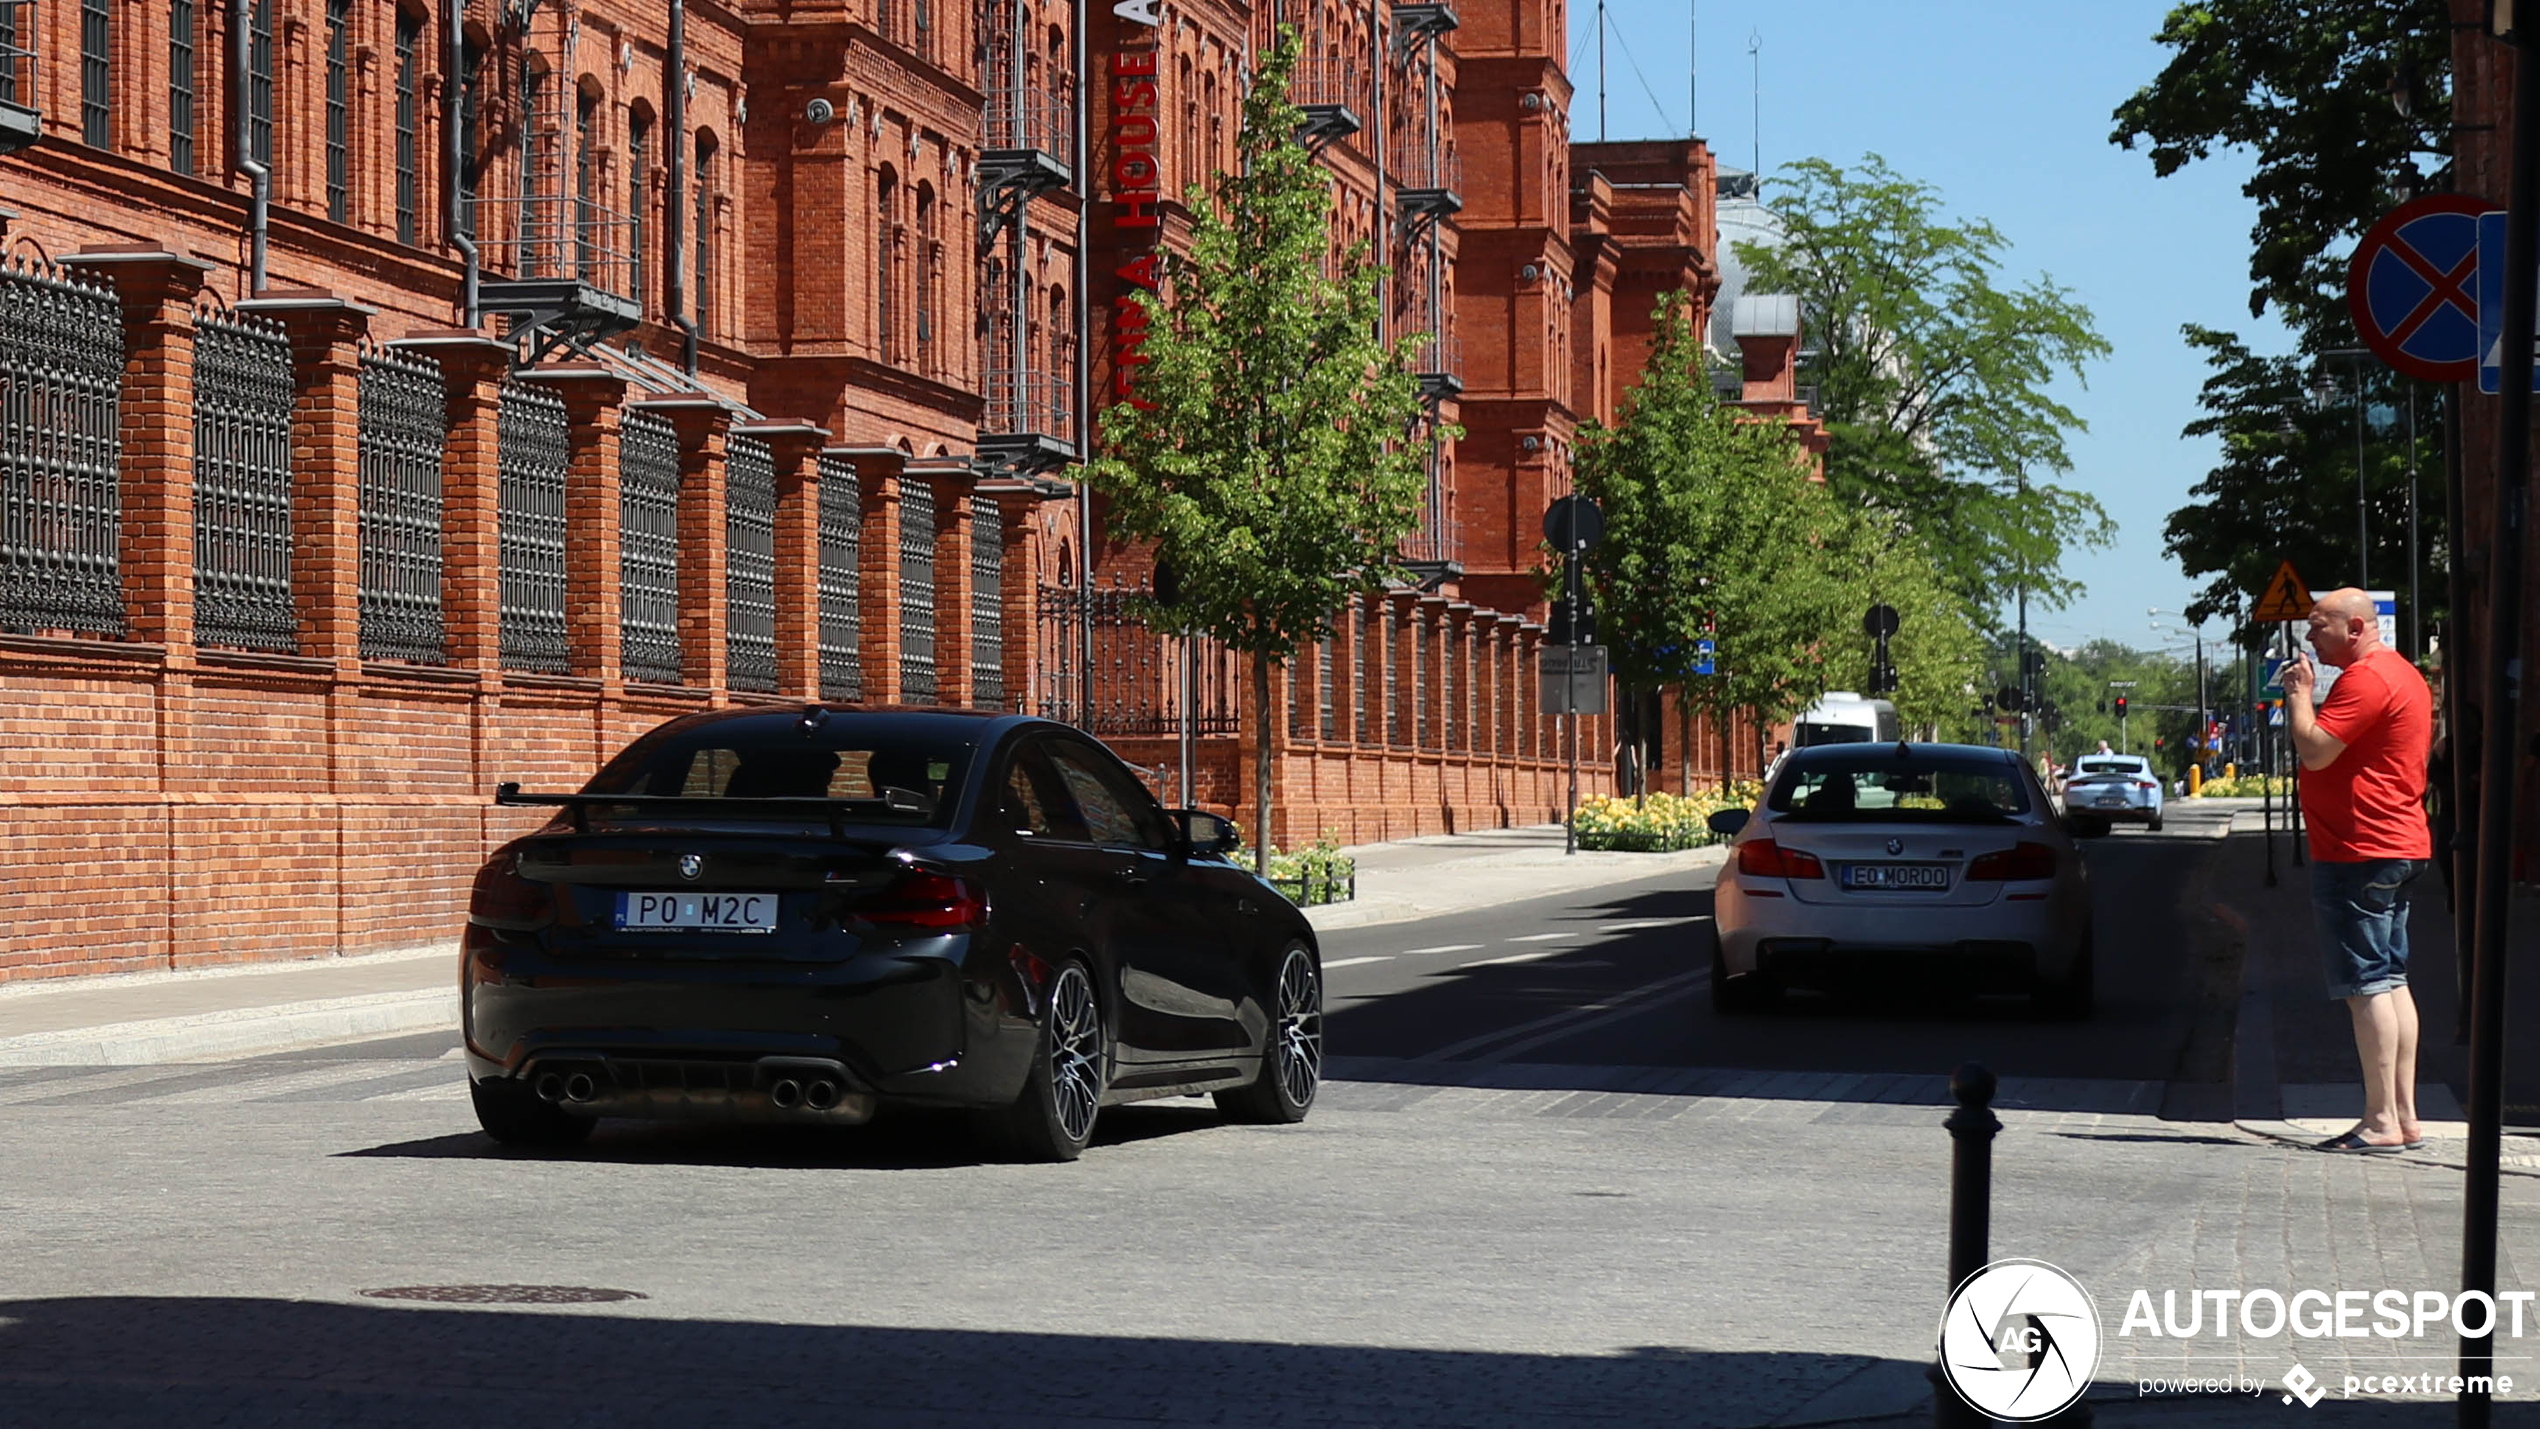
[(513, 1115), (1292, 1059), (1053, 1119)]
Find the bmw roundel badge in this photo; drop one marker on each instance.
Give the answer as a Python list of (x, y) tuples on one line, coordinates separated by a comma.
[(690, 865)]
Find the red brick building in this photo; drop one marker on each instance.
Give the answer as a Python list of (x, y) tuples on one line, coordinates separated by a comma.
[(401, 395)]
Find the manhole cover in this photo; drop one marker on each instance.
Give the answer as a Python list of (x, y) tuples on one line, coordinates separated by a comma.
[(504, 1294)]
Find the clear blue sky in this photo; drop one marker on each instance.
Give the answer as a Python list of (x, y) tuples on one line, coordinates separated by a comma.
[(2003, 105)]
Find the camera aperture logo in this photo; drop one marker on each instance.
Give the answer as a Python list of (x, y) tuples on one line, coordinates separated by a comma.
[(2020, 1340)]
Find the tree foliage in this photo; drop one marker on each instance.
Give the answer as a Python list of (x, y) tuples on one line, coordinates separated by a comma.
[(1938, 650), (1933, 380), (1266, 460), (2309, 88), (2286, 485)]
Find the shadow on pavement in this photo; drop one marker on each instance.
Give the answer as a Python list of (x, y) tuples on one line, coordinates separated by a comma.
[(896, 1140), (141, 1361)]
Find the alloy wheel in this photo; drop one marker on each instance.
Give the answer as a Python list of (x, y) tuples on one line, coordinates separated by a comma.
[(1300, 1031), (1075, 1053)]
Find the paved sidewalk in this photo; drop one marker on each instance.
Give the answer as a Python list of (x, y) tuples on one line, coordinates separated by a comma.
[(213, 1014)]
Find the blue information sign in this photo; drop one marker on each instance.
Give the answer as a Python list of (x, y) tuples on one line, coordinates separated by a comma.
[(2490, 289)]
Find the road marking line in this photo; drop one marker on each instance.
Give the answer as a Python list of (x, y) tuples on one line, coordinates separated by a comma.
[(1441, 948), (1628, 1002), (1515, 958), (1353, 962), (1647, 923), (1543, 937)]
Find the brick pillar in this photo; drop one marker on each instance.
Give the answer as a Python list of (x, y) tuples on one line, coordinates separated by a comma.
[(952, 584), (593, 404), (796, 447), (472, 371), (1530, 690), (156, 551), (1020, 506), (702, 425), (878, 577), (326, 465), (1433, 629)]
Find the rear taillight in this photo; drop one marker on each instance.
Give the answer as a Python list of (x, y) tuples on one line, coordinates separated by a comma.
[(2026, 862), (502, 898), (1767, 859), (921, 899), (2145, 784)]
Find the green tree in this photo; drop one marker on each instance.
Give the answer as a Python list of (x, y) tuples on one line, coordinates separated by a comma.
[(1714, 530), (1267, 460), (2313, 91), (2285, 488), (1937, 650), (1933, 379)]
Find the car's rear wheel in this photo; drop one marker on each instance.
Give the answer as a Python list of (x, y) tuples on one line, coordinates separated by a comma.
[(1292, 1059), (2072, 997), (513, 1115), (1734, 995), (2156, 823), (1071, 1065)]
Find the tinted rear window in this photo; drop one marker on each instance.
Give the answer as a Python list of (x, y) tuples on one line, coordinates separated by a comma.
[(832, 761), (2108, 766), (1809, 734), (1882, 788)]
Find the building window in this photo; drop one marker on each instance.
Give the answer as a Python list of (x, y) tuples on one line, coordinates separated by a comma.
[(925, 278), (705, 235), (181, 86), (96, 73), (536, 147), (409, 36), (471, 120), (338, 156), (590, 258), (639, 147), (886, 237), (260, 82)]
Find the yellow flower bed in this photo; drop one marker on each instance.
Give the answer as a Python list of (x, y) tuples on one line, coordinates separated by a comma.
[(2247, 786), (1662, 823)]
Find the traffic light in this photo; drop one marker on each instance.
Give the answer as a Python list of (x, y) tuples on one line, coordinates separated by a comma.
[(2121, 707)]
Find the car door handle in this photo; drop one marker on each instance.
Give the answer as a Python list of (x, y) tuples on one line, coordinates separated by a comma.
[(1131, 876)]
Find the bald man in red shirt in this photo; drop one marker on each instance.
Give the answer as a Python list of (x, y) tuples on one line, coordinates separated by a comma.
[(2363, 754)]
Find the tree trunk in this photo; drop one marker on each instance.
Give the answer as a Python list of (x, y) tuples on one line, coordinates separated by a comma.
[(1722, 715), (1684, 744), (1261, 765)]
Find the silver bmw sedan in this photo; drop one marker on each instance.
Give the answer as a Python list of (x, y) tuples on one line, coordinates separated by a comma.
[(1895, 867)]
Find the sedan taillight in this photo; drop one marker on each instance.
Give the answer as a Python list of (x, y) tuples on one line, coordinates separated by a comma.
[(920, 899), (2027, 862), (501, 898), (2145, 784), (1767, 859)]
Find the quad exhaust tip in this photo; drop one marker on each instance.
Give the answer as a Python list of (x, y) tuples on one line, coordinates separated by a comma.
[(578, 1087), (551, 1088), (821, 1095), (787, 1094)]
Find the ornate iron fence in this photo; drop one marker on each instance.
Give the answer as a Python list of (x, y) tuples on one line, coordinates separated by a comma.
[(1454, 675), (841, 544), (749, 564), (987, 603), (648, 548), (1137, 669), (61, 503), (917, 591), (402, 430), (1325, 725), (534, 447), (242, 485)]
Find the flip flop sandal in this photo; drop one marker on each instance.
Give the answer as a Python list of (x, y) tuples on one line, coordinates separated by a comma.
[(2354, 1141)]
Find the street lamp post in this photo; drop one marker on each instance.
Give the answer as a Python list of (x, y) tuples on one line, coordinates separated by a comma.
[(2321, 390), (2203, 721)]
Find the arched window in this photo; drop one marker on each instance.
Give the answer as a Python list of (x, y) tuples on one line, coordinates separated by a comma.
[(409, 43), (339, 109), (707, 176), (1187, 142), (886, 278), (639, 179), (590, 246), (181, 35), (96, 74)]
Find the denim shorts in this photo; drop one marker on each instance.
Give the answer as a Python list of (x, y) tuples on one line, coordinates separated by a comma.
[(2363, 919)]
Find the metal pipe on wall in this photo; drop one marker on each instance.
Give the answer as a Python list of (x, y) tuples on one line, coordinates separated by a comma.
[(455, 157), (242, 41)]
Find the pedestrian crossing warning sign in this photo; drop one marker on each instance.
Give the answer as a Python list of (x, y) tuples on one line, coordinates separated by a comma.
[(2286, 597)]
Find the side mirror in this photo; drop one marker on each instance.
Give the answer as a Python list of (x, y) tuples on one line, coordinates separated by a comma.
[(1207, 834), (1728, 821)]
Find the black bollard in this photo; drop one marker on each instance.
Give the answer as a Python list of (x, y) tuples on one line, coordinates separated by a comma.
[(1971, 1130)]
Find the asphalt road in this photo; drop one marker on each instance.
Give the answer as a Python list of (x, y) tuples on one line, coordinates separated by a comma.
[(1621, 978)]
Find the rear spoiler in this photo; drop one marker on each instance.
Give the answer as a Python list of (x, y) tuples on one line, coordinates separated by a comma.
[(893, 801)]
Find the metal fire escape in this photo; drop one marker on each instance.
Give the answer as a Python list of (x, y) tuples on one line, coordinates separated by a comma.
[(21, 119), (1027, 425), (1431, 192), (559, 263)]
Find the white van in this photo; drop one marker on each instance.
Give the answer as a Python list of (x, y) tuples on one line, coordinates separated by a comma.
[(1842, 717)]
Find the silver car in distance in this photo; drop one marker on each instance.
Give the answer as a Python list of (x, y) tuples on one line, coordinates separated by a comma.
[(1890, 868)]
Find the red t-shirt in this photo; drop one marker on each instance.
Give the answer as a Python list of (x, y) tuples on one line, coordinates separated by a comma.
[(2370, 802)]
